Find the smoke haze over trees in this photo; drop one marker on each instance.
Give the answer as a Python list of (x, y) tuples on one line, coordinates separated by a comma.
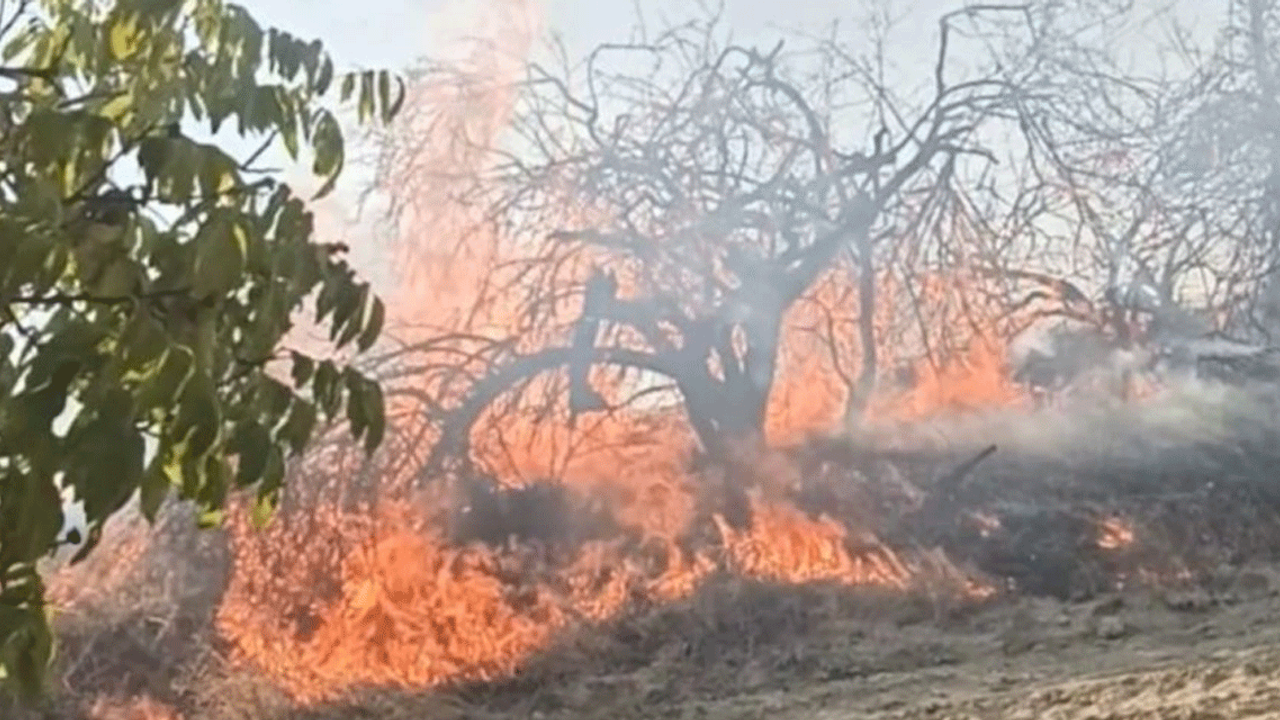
[(678, 213), (630, 274)]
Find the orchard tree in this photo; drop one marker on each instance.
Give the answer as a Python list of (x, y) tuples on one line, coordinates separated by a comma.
[(712, 186), (1165, 177), (148, 277)]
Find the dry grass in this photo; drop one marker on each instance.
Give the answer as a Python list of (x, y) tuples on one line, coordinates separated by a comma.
[(370, 612)]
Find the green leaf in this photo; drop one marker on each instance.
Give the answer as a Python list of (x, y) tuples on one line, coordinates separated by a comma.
[(356, 418), (34, 410), (368, 96), (210, 518), (8, 372), (91, 541), (375, 413), (348, 317), (165, 382), (204, 273), (252, 443), (402, 93), (273, 474), (154, 489), (263, 510), (346, 306), (217, 171), (324, 77), (144, 341), (303, 368), (221, 250), (32, 517), (289, 130), (199, 418), (328, 145), (297, 429), (272, 398), (326, 388), (373, 326), (105, 464), (120, 108), (26, 650), (216, 473), (384, 95), (171, 166), (125, 38)]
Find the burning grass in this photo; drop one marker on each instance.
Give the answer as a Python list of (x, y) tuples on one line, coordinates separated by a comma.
[(626, 558), (343, 593), (414, 608), (415, 611)]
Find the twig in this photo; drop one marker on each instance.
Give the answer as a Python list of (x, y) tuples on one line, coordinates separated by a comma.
[(948, 485)]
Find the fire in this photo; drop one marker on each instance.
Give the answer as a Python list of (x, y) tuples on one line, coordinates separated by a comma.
[(1115, 533), (408, 612), (785, 546), (371, 591), (412, 612), (408, 608), (936, 353), (358, 583)]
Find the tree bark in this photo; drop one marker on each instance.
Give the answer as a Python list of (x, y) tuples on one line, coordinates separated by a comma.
[(860, 393)]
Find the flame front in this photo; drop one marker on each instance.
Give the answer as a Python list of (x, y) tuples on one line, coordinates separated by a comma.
[(351, 592), (357, 583), (1115, 533)]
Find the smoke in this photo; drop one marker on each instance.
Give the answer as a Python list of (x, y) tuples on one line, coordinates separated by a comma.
[(1097, 428)]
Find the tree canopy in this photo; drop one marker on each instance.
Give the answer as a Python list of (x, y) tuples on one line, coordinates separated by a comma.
[(683, 215), (688, 193), (148, 278)]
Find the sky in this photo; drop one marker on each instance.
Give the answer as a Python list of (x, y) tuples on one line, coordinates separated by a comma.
[(395, 33)]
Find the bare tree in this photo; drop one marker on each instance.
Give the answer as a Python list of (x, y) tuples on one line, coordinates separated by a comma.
[(1166, 178), (656, 212), (662, 222)]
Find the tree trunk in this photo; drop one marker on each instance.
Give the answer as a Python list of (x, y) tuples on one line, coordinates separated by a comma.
[(864, 386)]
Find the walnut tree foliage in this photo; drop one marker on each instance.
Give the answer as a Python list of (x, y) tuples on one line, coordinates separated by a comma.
[(147, 279)]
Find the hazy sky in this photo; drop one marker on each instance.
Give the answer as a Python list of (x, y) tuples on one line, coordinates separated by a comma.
[(393, 33)]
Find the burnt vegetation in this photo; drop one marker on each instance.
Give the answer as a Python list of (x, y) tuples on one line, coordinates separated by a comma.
[(718, 193), (681, 239), (666, 233)]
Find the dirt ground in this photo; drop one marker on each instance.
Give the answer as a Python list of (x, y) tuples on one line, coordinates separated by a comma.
[(1209, 651), (1193, 653), (1188, 654)]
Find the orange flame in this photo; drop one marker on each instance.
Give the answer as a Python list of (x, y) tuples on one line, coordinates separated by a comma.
[(363, 588), (783, 545), (1115, 533)]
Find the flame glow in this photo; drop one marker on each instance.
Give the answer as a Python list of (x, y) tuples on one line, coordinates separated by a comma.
[(1115, 533), (381, 597), (359, 584)]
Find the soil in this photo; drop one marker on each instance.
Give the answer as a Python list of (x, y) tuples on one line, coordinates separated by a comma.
[(1189, 653)]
